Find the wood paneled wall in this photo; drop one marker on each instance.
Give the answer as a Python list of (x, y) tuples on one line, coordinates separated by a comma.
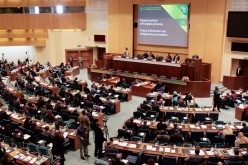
[(205, 33), (26, 3), (43, 21)]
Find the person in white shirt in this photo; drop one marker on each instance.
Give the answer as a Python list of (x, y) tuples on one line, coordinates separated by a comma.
[(126, 54)]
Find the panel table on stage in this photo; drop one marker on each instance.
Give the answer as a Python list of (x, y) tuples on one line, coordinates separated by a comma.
[(20, 118), (142, 89)]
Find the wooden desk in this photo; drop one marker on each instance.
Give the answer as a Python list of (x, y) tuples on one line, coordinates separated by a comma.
[(43, 73), (12, 76), (12, 152), (53, 88), (180, 152), (142, 89), (239, 113), (197, 88), (147, 66), (234, 82), (14, 92), (19, 118), (74, 71)]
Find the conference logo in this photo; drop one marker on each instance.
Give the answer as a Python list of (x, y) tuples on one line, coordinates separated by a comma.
[(184, 9)]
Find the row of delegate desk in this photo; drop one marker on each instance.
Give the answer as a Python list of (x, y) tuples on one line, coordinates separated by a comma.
[(197, 88), (180, 152), (23, 157)]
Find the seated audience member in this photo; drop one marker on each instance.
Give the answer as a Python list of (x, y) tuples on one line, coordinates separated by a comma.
[(86, 89), (145, 126), (195, 57), (138, 114), (109, 148), (194, 159), (150, 161), (241, 139), (118, 160), (214, 159), (151, 55), (161, 125), (227, 130), (144, 105), (131, 125), (157, 87), (47, 135), (175, 128), (159, 99), (176, 138), (18, 136), (145, 55), (245, 128), (120, 83), (235, 158), (168, 58), (155, 106), (174, 98), (27, 122)]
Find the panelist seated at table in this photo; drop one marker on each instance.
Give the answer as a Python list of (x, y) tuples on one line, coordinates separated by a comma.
[(242, 139), (234, 158), (176, 59), (126, 53), (168, 58)]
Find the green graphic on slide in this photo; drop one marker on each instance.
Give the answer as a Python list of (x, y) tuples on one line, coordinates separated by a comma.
[(179, 13)]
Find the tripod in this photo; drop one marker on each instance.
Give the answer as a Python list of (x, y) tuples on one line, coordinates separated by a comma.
[(105, 129)]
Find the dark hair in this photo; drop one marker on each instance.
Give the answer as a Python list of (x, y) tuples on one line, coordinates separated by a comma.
[(197, 151), (150, 161), (236, 151)]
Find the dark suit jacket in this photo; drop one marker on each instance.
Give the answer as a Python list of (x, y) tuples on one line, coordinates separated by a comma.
[(239, 72)]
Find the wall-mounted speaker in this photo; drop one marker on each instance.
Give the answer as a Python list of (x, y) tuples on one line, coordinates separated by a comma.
[(239, 47)]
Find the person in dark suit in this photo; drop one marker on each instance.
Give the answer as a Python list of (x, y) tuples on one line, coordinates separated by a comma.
[(117, 161), (58, 146), (216, 99), (144, 126), (71, 61), (161, 125), (131, 125), (99, 139), (176, 138), (196, 158), (236, 156), (138, 114), (245, 128), (239, 71)]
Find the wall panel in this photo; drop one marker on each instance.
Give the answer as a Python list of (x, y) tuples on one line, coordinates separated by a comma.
[(43, 21), (26, 3)]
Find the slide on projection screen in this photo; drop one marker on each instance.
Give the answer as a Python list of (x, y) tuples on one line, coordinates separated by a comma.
[(163, 25)]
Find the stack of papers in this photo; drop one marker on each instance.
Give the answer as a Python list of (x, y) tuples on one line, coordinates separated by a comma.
[(132, 145), (203, 126), (26, 136), (123, 144)]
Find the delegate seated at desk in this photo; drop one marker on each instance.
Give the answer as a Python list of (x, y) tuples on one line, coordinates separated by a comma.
[(168, 58)]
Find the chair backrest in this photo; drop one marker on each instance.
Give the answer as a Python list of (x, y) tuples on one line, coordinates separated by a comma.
[(219, 122), (22, 129), (211, 135), (214, 116), (139, 158), (136, 138), (230, 139), (43, 151), (243, 145), (168, 115), (148, 156), (32, 148), (200, 116), (196, 135), (217, 145), (235, 162), (170, 160), (203, 144), (6, 139)]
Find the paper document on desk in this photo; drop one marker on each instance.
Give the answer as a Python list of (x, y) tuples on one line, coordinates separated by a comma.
[(202, 152), (115, 142), (123, 144), (192, 152), (132, 145), (149, 147), (203, 126), (210, 153), (65, 134), (124, 161), (191, 126), (26, 136), (28, 158), (167, 149), (33, 160), (239, 126), (137, 121)]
